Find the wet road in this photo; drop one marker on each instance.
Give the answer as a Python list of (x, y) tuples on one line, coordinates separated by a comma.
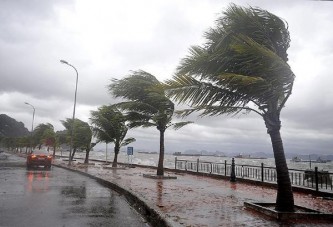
[(59, 198)]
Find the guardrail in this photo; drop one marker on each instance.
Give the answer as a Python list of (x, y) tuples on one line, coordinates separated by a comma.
[(315, 179)]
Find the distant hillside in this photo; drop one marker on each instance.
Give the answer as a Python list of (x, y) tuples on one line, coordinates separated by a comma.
[(9, 127)]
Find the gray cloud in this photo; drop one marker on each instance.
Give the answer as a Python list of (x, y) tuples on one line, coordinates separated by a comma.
[(107, 39)]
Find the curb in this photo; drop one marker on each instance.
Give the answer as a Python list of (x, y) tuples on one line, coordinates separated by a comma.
[(154, 217)]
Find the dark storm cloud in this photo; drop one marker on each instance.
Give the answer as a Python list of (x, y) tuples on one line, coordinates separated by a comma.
[(108, 39)]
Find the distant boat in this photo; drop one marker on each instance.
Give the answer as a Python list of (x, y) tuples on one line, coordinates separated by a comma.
[(197, 154), (296, 159), (147, 152), (248, 157), (319, 160), (180, 154), (242, 156)]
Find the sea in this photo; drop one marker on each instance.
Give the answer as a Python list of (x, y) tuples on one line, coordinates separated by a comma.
[(151, 159)]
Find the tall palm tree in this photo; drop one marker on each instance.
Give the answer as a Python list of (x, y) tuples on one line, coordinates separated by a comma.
[(109, 127), (242, 67), (146, 105)]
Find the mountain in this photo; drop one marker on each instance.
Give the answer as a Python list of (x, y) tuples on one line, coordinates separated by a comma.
[(9, 127)]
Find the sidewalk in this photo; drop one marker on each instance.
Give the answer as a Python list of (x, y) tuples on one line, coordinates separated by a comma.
[(200, 201)]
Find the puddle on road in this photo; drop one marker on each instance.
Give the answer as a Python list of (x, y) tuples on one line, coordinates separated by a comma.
[(38, 181)]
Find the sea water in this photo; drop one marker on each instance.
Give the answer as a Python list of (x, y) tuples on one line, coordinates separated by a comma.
[(169, 160)]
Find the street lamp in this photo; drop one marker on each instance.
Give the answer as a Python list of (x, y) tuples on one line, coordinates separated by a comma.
[(32, 124), (72, 131)]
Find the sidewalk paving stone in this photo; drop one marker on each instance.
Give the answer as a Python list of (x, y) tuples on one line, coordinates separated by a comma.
[(194, 201)]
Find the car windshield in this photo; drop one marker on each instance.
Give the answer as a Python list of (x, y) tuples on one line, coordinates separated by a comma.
[(41, 152)]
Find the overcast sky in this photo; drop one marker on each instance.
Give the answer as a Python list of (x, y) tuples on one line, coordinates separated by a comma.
[(107, 39)]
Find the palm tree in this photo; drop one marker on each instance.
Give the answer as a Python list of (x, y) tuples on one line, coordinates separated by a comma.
[(146, 105), (109, 127), (50, 139), (44, 135), (61, 138), (24, 141), (242, 67), (82, 135)]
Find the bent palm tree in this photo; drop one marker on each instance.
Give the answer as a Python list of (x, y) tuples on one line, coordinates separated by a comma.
[(82, 135), (147, 106), (109, 127), (242, 67)]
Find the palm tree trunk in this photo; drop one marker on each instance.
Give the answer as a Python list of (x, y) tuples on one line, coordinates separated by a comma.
[(86, 160), (285, 198), (116, 152), (54, 151), (160, 168), (73, 153)]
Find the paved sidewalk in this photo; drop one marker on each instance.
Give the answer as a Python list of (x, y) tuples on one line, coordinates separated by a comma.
[(201, 201)]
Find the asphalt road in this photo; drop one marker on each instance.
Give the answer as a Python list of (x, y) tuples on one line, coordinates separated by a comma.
[(58, 197)]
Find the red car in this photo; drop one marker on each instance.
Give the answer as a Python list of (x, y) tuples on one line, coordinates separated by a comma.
[(39, 158)]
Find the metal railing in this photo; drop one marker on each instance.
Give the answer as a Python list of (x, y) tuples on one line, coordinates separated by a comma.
[(315, 179)]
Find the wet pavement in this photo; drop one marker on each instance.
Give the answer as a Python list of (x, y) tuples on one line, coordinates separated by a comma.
[(201, 201), (58, 197)]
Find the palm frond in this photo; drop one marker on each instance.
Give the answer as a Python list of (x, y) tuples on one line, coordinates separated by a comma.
[(136, 124), (215, 110), (134, 86), (184, 88), (127, 141), (108, 124), (137, 106), (260, 25), (179, 125), (244, 60), (147, 104)]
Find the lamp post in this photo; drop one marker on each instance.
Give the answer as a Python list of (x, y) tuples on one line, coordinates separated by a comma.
[(72, 131), (32, 124)]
